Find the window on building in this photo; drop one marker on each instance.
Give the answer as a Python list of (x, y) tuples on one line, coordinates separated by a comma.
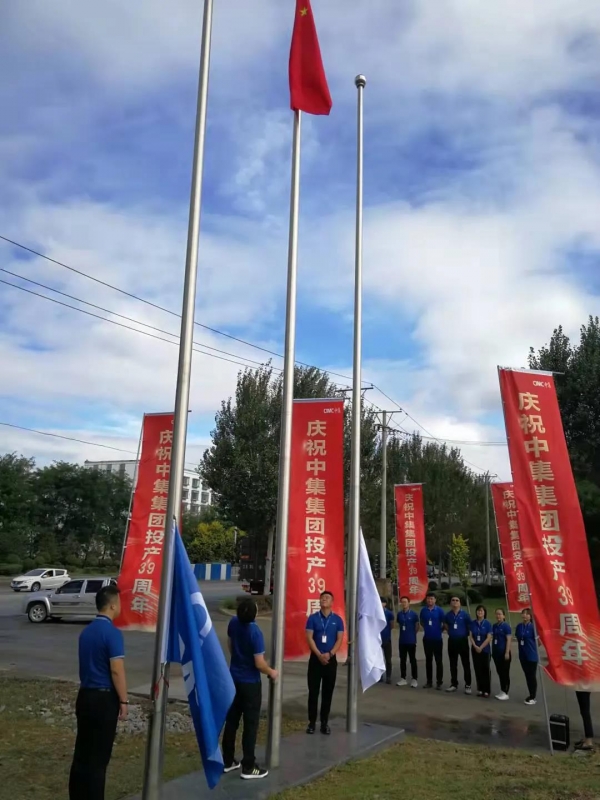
[(205, 487), (186, 494), (109, 467), (195, 507), (195, 483), (205, 498), (194, 497), (121, 469)]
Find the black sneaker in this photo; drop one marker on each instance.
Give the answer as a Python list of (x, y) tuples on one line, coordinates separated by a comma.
[(439, 686), (311, 729), (428, 686), (233, 766), (254, 774), (325, 730)]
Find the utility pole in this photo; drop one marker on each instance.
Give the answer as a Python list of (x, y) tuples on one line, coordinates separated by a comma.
[(383, 530)]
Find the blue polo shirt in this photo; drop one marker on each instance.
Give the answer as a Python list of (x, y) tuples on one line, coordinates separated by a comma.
[(407, 622), (386, 633), (501, 631), (325, 630), (525, 634), (459, 624), (247, 641), (99, 643), (480, 631), (432, 620)]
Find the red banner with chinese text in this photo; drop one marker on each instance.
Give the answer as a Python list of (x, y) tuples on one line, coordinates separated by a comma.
[(316, 520), (555, 551), (410, 541), (511, 550), (139, 580)]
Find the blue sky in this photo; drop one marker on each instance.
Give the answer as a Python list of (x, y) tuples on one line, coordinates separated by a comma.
[(482, 201)]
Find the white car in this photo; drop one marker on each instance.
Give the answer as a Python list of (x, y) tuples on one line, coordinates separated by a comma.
[(75, 599), (37, 580)]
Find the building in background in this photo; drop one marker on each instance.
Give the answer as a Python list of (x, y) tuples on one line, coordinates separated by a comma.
[(196, 496)]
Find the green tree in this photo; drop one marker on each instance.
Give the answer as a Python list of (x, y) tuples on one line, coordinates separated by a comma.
[(242, 464), (213, 542), (17, 499), (578, 390)]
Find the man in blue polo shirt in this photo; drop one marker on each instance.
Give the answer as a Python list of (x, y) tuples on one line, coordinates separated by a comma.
[(324, 634), (458, 625), (102, 698), (432, 622), (408, 623)]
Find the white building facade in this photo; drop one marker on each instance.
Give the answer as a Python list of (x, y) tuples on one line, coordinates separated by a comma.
[(195, 496)]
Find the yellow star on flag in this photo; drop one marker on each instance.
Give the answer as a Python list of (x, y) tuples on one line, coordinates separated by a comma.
[(303, 12)]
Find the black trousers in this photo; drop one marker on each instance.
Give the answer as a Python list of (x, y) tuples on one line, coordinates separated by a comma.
[(483, 676), (320, 675), (530, 669), (434, 649), (97, 714), (387, 654), (503, 670), (246, 704), (459, 648), (410, 651), (584, 700)]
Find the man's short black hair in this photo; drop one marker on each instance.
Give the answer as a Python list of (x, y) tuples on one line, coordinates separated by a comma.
[(106, 596), (383, 600), (246, 611), (430, 594), (327, 592), (404, 597), (455, 597)]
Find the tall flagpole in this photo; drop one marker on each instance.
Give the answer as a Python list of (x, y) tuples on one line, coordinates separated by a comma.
[(160, 673), (285, 449), (383, 531), (354, 529)]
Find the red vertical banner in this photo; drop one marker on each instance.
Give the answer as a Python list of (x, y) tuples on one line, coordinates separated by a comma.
[(511, 549), (555, 550), (316, 522), (139, 580), (410, 541)]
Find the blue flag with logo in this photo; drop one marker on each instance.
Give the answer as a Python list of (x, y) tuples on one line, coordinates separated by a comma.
[(194, 644)]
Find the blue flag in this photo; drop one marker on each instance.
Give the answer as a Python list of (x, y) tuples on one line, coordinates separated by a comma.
[(194, 644)]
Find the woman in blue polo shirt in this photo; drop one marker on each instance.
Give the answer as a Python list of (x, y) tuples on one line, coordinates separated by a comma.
[(528, 653), (501, 640), (481, 639)]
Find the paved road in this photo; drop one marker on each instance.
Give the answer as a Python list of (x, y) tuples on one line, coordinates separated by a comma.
[(50, 650)]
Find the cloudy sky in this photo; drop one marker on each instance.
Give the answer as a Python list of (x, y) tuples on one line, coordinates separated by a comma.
[(482, 205)]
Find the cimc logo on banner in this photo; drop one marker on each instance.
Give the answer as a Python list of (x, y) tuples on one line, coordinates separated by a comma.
[(139, 579), (315, 557)]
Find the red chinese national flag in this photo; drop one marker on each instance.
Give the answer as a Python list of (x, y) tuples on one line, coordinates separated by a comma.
[(308, 85)]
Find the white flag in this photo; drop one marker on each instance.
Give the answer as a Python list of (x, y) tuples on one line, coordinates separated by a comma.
[(371, 621)]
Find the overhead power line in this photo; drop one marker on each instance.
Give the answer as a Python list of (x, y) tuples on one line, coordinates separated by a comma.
[(206, 327)]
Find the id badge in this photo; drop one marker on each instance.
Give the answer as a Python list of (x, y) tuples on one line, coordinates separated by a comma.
[(479, 638), (455, 626), (324, 639), (522, 643), (430, 623), (404, 627), (495, 641)]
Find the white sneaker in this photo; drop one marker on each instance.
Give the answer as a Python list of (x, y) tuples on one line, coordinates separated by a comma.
[(401, 682), (502, 696), (451, 689), (233, 766), (530, 701), (414, 684), (468, 690)]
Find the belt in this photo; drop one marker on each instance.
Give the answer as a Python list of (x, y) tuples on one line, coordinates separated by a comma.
[(97, 689)]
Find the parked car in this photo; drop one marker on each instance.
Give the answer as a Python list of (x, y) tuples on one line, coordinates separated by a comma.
[(37, 579), (77, 598)]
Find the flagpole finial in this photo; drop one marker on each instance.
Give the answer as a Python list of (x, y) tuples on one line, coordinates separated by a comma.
[(360, 81)]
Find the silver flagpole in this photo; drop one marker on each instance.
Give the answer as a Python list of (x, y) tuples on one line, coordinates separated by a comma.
[(354, 529), (285, 448), (133, 483), (383, 532), (160, 672)]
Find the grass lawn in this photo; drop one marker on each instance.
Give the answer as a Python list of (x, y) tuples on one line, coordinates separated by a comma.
[(35, 754), (422, 769)]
